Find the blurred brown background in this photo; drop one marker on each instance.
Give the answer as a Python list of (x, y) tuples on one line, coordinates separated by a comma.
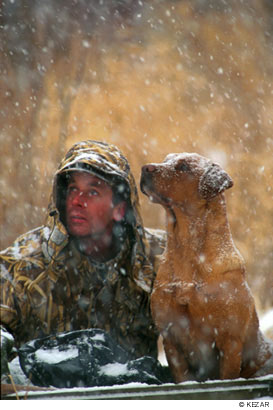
[(152, 77)]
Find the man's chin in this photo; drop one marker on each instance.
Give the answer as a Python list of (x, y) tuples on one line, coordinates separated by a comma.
[(79, 231)]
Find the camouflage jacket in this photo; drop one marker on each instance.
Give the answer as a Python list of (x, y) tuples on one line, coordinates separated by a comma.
[(48, 286)]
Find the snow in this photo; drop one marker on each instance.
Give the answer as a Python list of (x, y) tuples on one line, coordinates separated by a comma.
[(54, 356), (5, 334), (99, 337), (5, 273), (266, 321), (46, 233), (16, 251), (116, 369), (17, 373)]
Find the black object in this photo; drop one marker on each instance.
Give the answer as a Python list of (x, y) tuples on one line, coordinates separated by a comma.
[(86, 358)]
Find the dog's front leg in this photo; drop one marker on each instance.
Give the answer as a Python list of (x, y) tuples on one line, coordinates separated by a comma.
[(177, 362), (230, 359)]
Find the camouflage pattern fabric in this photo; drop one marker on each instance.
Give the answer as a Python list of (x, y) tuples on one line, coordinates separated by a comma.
[(48, 286)]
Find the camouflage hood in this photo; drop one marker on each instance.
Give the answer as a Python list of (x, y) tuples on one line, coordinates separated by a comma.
[(107, 162)]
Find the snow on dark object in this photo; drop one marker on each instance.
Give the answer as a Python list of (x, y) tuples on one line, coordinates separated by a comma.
[(85, 358)]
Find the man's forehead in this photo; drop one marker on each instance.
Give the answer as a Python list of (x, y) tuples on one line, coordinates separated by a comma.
[(87, 177)]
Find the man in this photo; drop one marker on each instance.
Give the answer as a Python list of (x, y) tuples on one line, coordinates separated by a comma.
[(91, 265)]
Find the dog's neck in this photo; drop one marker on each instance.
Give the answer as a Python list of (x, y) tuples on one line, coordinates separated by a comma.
[(198, 233), (186, 222)]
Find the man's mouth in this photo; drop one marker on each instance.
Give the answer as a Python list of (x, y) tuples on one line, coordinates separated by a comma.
[(76, 218)]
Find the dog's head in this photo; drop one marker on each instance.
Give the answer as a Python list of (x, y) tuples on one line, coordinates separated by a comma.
[(183, 178)]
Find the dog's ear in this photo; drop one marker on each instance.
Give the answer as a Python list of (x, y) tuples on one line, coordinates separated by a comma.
[(214, 181)]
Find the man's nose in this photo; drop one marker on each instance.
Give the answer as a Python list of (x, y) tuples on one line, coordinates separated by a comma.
[(79, 200)]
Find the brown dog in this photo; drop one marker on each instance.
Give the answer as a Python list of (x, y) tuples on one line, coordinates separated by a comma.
[(201, 302)]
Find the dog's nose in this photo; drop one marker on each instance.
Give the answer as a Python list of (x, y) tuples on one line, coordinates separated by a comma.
[(148, 168)]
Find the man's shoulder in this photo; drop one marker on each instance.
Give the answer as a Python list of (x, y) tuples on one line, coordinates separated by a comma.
[(156, 234), (25, 246), (157, 240)]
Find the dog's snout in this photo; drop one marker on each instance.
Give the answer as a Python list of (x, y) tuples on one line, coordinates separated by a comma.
[(148, 168)]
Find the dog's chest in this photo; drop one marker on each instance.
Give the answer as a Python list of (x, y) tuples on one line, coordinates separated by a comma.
[(186, 292), (196, 292), (182, 293)]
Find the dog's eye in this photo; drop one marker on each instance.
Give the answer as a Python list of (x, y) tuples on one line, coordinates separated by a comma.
[(183, 166)]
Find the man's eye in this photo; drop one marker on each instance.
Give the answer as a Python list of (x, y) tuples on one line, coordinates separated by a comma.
[(93, 192), (71, 189)]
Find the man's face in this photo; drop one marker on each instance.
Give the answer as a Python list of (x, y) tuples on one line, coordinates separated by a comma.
[(89, 207)]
